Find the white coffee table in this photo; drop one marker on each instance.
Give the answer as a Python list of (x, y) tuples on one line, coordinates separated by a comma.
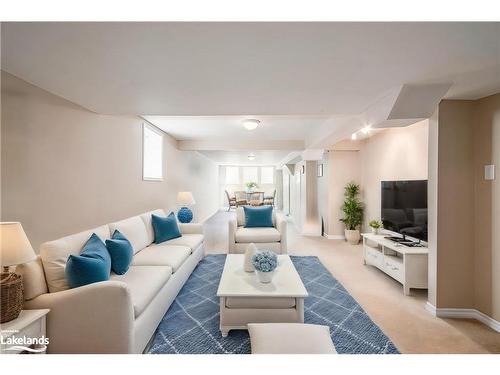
[(243, 299)]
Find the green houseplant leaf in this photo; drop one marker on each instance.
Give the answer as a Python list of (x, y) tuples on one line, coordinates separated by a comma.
[(352, 208)]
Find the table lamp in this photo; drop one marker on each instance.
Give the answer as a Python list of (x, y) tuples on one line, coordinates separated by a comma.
[(184, 199), (15, 249)]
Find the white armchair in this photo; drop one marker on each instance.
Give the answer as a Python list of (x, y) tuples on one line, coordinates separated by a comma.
[(268, 238)]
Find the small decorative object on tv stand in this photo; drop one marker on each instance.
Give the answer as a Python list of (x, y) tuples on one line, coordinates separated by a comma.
[(408, 265)]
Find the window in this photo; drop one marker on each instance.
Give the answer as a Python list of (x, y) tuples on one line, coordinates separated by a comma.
[(250, 174), (152, 154), (267, 175), (232, 175)]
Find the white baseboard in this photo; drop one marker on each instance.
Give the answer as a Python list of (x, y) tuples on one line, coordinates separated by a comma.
[(464, 314), (334, 236)]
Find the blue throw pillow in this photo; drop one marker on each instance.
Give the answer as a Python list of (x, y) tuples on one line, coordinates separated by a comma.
[(91, 266), (258, 216), (121, 253), (165, 228)]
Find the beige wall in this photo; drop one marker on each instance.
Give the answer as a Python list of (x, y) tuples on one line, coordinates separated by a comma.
[(392, 154), (468, 239), (455, 240), (389, 154), (343, 167), (304, 198), (65, 169)]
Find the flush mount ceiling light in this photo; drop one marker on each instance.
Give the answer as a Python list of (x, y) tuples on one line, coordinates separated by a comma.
[(251, 124), (251, 156)]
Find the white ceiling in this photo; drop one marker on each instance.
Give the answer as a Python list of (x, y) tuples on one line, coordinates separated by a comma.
[(241, 157), (211, 128), (311, 84), (248, 68)]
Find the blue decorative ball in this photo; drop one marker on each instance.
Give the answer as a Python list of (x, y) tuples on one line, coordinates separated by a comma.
[(185, 215)]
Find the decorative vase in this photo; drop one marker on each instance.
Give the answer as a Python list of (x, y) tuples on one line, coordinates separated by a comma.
[(374, 230), (352, 236), (265, 277), (185, 215), (250, 251)]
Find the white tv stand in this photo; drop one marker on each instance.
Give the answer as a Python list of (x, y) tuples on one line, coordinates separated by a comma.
[(408, 265)]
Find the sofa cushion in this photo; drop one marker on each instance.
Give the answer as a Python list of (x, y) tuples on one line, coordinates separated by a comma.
[(256, 217), (34, 283), (165, 228), (162, 255), (247, 235), (260, 303), (134, 230), (290, 338), (92, 265), (54, 255), (240, 217), (190, 240), (121, 252), (144, 283), (147, 219)]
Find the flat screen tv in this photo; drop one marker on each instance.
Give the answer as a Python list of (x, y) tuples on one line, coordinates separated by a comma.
[(404, 208)]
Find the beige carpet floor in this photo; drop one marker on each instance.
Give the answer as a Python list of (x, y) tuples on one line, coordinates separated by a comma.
[(403, 318)]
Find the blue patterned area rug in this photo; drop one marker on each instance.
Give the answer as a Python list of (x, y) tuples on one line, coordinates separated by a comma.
[(191, 325)]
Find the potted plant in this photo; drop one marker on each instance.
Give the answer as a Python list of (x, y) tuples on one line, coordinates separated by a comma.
[(250, 186), (375, 225), (265, 262), (353, 213)]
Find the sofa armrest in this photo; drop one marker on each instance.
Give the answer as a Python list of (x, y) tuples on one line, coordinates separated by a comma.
[(95, 318), (281, 226), (232, 226), (191, 228)]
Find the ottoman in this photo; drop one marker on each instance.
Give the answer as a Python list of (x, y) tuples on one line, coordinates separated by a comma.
[(290, 338)]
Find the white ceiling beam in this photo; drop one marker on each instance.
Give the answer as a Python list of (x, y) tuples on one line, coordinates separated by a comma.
[(240, 145)]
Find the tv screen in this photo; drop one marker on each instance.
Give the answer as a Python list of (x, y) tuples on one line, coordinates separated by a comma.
[(404, 207)]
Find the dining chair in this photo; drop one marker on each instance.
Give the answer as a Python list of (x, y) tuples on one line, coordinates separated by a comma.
[(241, 198), (231, 200), (269, 199), (257, 198)]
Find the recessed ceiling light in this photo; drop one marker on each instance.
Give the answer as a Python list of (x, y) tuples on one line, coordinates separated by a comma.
[(251, 124), (354, 136), (251, 156), (366, 129)]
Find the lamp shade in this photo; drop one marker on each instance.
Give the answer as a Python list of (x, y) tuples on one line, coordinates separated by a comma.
[(185, 198), (15, 248)]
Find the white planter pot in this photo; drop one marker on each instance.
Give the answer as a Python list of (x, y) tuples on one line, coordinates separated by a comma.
[(352, 236), (264, 277), (375, 230)]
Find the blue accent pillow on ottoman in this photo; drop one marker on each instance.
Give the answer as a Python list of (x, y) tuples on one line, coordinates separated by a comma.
[(91, 266), (258, 216), (121, 253), (165, 228)]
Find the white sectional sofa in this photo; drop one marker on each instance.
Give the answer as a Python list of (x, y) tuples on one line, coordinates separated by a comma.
[(268, 238), (119, 315)]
